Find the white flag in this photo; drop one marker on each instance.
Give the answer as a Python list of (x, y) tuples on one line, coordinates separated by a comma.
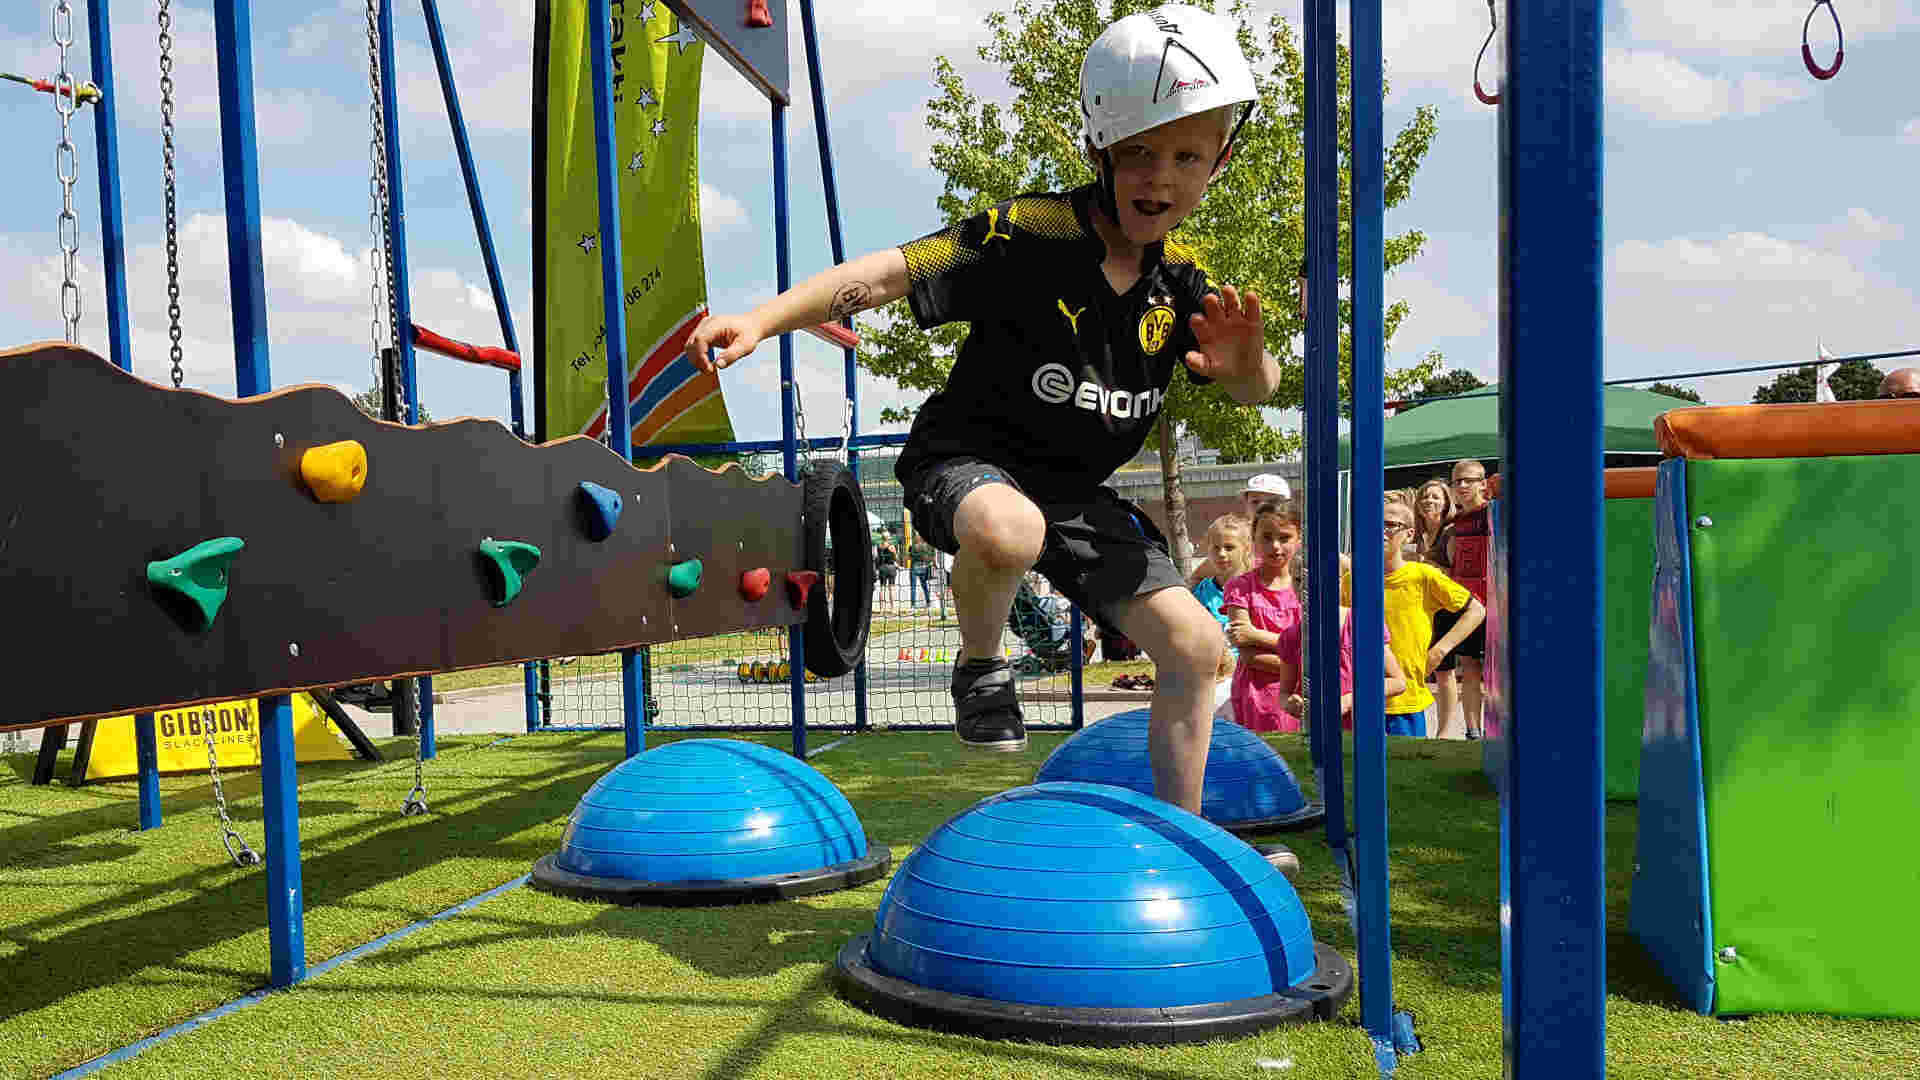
[(1822, 391)]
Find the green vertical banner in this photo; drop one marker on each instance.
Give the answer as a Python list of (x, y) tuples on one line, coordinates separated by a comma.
[(656, 102)]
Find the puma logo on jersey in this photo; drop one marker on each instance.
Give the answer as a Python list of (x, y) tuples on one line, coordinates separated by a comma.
[(993, 225), (1073, 317)]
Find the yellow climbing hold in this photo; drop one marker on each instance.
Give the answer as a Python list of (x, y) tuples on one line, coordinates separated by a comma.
[(336, 472)]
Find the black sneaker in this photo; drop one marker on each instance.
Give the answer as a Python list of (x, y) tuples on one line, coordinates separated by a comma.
[(987, 710)]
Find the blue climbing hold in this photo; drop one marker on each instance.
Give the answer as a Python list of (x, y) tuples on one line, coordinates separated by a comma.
[(601, 507), (1248, 783)]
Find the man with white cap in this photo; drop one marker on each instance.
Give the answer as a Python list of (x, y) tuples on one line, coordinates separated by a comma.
[(1261, 488)]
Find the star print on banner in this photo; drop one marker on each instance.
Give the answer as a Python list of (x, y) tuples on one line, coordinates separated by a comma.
[(646, 100), (659, 127), (682, 37), (639, 162), (587, 242), (647, 12)]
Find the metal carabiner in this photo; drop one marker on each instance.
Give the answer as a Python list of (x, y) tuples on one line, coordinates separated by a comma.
[(1487, 97), (246, 856), (1840, 48), (416, 803)]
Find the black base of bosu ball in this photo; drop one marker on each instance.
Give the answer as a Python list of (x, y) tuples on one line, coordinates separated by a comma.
[(710, 822), (1318, 998)]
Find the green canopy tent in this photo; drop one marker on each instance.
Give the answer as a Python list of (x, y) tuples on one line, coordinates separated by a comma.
[(1425, 441)]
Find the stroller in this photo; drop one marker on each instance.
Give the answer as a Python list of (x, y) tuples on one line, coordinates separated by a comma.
[(1042, 623)]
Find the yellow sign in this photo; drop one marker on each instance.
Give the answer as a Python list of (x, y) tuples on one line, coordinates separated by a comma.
[(1155, 326), (181, 737)]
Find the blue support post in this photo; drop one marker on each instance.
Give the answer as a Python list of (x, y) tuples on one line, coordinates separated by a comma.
[(783, 274), (1551, 520), (633, 688), (240, 167), (402, 295), (1077, 636), (457, 121), (1366, 490), (1322, 418), (821, 135), (113, 258)]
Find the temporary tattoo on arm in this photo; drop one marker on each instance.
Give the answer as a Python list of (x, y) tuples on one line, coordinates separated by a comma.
[(851, 299)]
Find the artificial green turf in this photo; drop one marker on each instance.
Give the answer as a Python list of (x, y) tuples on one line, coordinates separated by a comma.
[(107, 934)]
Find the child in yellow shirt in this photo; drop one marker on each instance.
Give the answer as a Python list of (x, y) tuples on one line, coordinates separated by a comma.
[(1414, 591)]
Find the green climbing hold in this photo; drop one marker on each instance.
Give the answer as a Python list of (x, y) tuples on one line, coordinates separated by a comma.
[(511, 561), (198, 575), (684, 578)]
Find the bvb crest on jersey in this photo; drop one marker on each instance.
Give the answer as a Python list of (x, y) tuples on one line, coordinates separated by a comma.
[(1155, 327)]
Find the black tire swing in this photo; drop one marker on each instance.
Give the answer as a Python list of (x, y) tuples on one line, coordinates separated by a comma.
[(833, 516)]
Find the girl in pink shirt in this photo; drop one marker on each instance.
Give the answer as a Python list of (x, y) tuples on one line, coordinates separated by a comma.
[(1260, 606), (1288, 652)]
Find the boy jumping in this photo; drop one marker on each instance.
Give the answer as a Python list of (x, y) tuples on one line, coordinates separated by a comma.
[(1081, 309)]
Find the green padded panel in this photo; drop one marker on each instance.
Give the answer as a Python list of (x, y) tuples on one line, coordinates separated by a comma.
[(1629, 600), (1806, 623)]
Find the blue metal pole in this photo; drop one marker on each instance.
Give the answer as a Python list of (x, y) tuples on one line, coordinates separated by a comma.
[(633, 691), (1077, 636), (821, 134), (1550, 420), (402, 293), (233, 39), (113, 258), (783, 278), (1366, 489), (455, 119), (1322, 414)]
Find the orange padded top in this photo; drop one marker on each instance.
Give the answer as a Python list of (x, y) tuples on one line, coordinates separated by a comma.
[(1635, 482), (1823, 429)]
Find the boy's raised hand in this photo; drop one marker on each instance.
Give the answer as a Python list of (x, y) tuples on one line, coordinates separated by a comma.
[(734, 336), (1230, 335)]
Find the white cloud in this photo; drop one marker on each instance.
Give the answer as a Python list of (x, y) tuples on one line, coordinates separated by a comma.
[(1743, 297), (719, 210), (1670, 92), (1759, 93), (1745, 28)]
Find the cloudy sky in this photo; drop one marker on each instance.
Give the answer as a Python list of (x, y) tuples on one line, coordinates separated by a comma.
[(1751, 211)]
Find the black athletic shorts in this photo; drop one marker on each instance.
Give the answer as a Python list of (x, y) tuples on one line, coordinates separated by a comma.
[(1474, 648), (1100, 549)]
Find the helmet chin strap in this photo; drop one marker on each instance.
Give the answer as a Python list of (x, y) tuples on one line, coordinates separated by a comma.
[(1108, 191)]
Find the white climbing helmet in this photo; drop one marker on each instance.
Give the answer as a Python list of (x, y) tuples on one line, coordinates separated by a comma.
[(1160, 65)]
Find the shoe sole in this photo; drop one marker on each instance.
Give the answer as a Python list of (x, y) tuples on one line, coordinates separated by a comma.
[(1001, 746)]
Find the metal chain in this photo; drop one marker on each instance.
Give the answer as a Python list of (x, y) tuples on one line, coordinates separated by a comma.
[(66, 166), (378, 199), (416, 802), (173, 227), (805, 457), (236, 845)]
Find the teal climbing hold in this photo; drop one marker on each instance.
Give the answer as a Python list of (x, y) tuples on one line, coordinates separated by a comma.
[(198, 575), (684, 578), (511, 561), (601, 507)]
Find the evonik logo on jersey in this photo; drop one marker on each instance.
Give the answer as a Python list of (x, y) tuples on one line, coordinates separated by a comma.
[(1055, 385)]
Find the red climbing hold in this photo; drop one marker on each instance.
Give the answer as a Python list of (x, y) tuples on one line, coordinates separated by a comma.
[(799, 583), (757, 13), (754, 583)]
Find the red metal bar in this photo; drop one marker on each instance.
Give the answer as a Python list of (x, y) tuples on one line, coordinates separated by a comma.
[(835, 334), (485, 355)]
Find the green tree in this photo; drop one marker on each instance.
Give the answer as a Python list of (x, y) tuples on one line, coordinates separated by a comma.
[(1680, 392), (1855, 380), (1249, 231), (369, 402), (1444, 384)]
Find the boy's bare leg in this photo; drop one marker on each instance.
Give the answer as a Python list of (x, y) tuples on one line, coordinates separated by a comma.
[(1471, 697), (1185, 643), (1446, 699), (1001, 533)]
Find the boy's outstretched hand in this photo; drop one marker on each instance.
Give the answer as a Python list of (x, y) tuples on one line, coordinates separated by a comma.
[(1232, 343), (733, 336)]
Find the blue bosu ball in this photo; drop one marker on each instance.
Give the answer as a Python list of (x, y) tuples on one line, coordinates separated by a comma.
[(1087, 913), (1248, 783), (710, 821)]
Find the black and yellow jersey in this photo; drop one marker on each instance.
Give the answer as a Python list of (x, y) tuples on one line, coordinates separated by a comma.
[(1060, 379)]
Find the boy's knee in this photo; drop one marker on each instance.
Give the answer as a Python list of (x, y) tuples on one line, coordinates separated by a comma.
[(1197, 645), (1006, 533)]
